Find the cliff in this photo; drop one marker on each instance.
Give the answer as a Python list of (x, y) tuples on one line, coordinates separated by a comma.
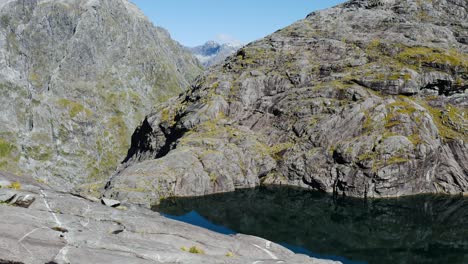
[(75, 78), (365, 99)]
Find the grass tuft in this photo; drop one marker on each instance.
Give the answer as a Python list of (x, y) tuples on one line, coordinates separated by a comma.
[(193, 250), (15, 185)]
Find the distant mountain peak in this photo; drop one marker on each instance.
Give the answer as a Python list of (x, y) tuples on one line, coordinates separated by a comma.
[(212, 52), (212, 43)]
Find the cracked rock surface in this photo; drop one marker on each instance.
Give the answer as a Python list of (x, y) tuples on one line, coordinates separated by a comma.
[(366, 99), (62, 228)]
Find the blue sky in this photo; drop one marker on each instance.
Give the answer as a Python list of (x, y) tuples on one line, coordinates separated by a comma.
[(193, 22)]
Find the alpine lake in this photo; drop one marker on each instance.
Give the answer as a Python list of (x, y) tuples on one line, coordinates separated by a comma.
[(416, 229)]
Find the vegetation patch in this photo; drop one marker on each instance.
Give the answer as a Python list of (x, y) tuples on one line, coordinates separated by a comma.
[(6, 148), (277, 151), (40, 153), (391, 120), (424, 56), (368, 124), (367, 156), (403, 107), (400, 107), (415, 139), (12, 41), (388, 62), (167, 116), (251, 56), (74, 108), (118, 125), (451, 122), (213, 177), (193, 250), (374, 49), (9, 155), (396, 160), (15, 185), (5, 21)]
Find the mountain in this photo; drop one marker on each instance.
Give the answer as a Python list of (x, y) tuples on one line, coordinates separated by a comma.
[(75, 78), (212, 53), (366, 99)]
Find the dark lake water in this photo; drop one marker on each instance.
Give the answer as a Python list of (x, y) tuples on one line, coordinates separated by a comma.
[(419, 229)]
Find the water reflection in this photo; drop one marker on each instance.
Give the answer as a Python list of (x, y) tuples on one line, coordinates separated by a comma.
[(421, 229)]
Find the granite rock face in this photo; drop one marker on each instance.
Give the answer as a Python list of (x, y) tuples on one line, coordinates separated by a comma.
[(366, 99), (62, 228), (75, 79)]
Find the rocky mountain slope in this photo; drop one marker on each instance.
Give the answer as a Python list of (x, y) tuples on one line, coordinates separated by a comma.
[(213, 53), (75, 78), (365, 99), (40, 225)]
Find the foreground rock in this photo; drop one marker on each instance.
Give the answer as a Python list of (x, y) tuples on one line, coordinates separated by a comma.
[(366, 99), (110, 202), (61, 228), (76, 77)]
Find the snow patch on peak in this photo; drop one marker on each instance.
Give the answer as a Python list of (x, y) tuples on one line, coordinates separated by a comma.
[(212, 52)]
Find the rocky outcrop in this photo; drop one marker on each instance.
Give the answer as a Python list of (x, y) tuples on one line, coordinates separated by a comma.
[(62, 228), (365, 99), (75, 79), (212, 53)]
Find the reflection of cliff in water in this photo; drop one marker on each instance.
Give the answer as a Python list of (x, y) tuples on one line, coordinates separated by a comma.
[(420, 229)]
